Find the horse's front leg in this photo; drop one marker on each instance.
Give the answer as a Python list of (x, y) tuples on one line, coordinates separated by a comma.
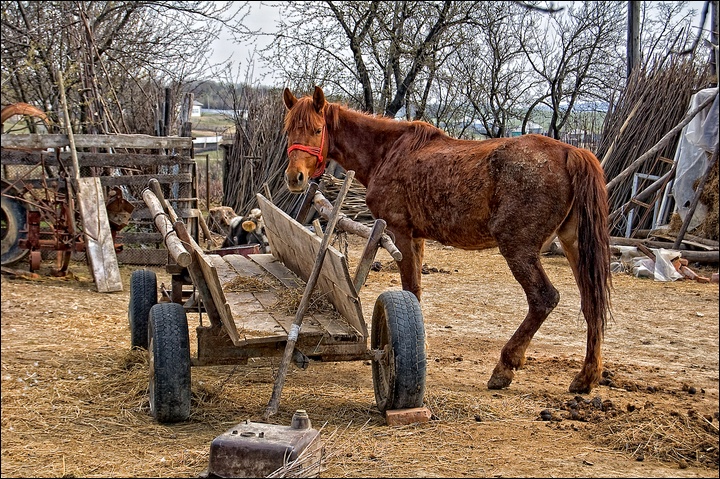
[(542, 298), (413, 250)]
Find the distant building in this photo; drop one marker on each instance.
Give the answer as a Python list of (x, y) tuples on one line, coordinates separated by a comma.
[(196, 109), (531, 127)]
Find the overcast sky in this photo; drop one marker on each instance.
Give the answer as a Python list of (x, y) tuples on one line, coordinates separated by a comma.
[(263, 16)]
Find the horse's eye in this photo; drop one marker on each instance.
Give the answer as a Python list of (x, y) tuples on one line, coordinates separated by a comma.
[(318, 131)]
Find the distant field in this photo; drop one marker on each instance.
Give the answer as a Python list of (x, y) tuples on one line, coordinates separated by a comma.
[(211, 124)]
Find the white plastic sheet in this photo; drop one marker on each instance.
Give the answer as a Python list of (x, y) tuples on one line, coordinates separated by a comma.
[(641, 266), (697, 137)]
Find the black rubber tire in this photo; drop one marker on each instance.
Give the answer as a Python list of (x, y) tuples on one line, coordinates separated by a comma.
[(143, 296), (14, 220), (169, 350), (397, 327)]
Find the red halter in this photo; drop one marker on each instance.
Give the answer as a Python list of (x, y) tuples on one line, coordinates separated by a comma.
[(315, 151)]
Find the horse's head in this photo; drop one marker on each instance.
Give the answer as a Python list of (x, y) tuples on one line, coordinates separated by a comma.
[(307, 138)]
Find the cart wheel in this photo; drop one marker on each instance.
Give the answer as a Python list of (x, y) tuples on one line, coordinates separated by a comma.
[(14, 220), (398, 329), (143, 296), (169, 351)]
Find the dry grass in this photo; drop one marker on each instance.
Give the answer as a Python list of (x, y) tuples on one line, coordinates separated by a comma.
[(75, 400), (676, 437), (252, 283), (289, 300)]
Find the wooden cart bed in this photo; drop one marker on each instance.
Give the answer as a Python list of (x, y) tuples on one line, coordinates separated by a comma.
[(252, 316)]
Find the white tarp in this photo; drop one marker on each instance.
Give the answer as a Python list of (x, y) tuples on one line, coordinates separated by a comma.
[(698, 137), (662, 269)]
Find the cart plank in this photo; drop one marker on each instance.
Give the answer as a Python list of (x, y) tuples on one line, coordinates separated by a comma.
[(269, 300), (213, 283), (298, 248), (250, 317), (244, 266), (273, 266), (225, 272)]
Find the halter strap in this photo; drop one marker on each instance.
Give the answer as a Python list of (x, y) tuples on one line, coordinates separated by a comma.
[(314, 151)]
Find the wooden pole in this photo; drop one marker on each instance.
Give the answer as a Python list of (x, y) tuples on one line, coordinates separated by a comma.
[(323, 206), (165, 206), (68, 127), (165, 226), (368, 255), (635, 165), (305, 300), (633, 36), (207, 181)]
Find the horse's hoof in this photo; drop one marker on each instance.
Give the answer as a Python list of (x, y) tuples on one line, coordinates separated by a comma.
[(501, 377), (579, 386)]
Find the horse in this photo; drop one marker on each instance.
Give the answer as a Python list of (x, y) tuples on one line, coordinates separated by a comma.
[(512, 193)]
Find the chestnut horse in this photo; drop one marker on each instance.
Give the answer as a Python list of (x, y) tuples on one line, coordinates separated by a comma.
[(513, 193)]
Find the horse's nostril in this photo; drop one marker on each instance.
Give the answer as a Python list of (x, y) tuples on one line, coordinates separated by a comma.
[(300, 177)]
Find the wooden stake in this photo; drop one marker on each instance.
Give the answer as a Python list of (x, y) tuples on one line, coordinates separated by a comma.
[(635, 165), (304, 302)]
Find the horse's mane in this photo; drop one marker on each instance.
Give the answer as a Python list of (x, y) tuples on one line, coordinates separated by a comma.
[(416, 133)]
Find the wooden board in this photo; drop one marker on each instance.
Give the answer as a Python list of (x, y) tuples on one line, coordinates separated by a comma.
[(251, 318), (44, 141), (213, 283), (99, 244), (273, 266), (243, 266), (298, 248)]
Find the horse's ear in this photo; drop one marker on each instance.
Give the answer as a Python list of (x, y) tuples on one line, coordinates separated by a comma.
[(289, 98), (318, 99)]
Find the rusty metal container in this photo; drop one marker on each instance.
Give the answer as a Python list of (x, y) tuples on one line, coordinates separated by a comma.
[(244, 250), (255, 449)]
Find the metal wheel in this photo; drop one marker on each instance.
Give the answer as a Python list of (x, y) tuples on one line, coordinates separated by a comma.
[(398, 330), (13, 221), (169, 349), (143, 296)]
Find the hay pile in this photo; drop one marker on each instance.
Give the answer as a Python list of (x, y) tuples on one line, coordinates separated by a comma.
[(709, 197), (252, 284), (289, 301), (683, 438)]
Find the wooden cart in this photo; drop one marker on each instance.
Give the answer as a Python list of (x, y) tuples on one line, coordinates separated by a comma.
[(245, 322)]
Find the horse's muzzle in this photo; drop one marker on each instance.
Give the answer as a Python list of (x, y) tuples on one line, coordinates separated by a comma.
[(296, 182)]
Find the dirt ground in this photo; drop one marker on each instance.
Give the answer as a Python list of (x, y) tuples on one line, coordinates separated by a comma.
[(75, 404)]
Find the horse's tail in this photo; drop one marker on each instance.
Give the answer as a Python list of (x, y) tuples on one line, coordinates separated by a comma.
[(591, 205)]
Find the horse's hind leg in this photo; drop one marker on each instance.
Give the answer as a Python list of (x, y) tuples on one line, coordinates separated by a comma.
[(542, 298)]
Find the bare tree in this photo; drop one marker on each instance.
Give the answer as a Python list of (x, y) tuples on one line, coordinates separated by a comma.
[(492, 68), (375, 54), (117, 58), (576, 56)]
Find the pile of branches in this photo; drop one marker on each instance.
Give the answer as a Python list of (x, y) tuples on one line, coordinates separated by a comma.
[(257, 156), (655, 100)]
